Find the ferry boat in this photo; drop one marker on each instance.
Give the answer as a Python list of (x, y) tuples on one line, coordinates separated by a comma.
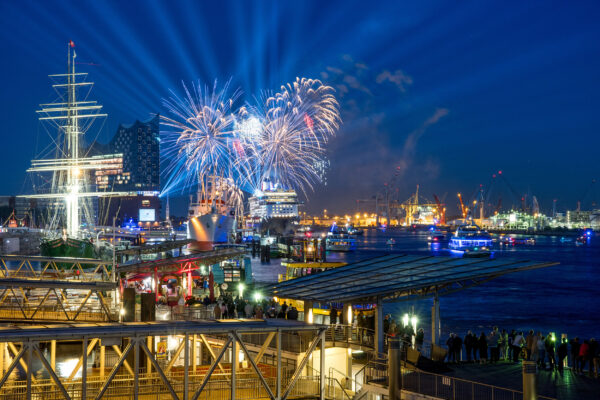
[(470, 236), (339, 242)]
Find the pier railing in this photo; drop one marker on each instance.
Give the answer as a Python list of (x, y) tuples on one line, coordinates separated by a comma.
[(446, 387), (435, 385)]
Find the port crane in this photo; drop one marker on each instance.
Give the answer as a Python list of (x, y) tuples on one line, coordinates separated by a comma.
[(440, 209), (463, 210)]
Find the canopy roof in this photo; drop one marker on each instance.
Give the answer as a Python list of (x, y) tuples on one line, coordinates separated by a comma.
[(189, 262), (394, 276)]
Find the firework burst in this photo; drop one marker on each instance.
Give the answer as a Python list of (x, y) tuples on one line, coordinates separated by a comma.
[(198, 141), (297, 123), (281, 139)]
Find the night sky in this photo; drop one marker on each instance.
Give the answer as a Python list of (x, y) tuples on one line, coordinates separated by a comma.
[(443, 94)]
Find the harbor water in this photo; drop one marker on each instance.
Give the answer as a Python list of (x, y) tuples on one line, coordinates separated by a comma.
[(560, 299)]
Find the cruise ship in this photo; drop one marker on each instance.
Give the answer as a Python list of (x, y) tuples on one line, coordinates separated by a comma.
[(274, 203)]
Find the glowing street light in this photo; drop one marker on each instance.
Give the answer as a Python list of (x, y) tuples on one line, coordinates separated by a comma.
[(405, 320)]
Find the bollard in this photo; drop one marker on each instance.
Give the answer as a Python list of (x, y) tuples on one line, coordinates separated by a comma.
[(529, 380), (394, 368)]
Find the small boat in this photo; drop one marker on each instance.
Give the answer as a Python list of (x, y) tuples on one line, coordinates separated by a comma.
[(355, 231), (340, 242), (390, 242), (435, 236)]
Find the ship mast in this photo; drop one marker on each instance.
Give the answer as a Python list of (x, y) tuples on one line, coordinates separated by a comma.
[(71, 171)]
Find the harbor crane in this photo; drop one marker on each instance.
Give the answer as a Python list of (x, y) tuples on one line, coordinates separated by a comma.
[(463, 210), (440, 209)]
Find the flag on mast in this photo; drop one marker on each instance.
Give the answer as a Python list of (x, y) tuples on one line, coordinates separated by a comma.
[(71, 43)]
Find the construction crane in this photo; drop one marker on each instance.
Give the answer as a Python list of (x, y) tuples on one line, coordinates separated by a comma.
[(463, 209), (441, 210)]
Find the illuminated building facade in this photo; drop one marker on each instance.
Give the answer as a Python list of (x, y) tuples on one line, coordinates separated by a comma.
[(138, 145)]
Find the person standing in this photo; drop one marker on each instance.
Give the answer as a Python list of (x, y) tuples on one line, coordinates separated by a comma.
[(516, 347), (541, 353), (468, 345), (563, 351), (592, 352), (584, 351), (511, 339), (483, 348), (419, 339), (492, 342), (457, 344), (529, 345), (575, 345), (450, 346), (549, 347), (503, 345), (332, 316)]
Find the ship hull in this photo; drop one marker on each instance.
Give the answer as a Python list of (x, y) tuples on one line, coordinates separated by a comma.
[(209, 229)]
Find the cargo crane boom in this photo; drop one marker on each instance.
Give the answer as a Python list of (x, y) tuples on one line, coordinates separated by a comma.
[(463, 209), (441, 209)]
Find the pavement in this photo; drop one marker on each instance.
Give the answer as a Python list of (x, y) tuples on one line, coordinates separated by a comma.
[(563, 386)]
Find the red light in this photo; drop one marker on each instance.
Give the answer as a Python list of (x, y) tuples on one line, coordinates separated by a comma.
[(308, 121), (499, 172), (308, 234)]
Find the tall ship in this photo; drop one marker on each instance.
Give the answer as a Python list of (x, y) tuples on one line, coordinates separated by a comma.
[(212, 215), (65, 176)]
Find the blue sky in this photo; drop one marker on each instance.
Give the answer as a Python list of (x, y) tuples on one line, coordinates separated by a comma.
[(439, 93)]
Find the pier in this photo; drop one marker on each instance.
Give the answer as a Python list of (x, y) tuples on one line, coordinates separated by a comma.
[(208, 360)]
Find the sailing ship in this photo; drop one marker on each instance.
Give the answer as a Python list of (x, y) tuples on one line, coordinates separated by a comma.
[(70, 191)]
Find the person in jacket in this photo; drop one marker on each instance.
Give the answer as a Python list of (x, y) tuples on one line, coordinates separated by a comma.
[(529, 345), (420, 338), (457, 346), (584, 352), (562, 352), (492, 342), (450, 346), (541, 352), (592, 352), (549, 347), (517, 345), (333, 316), (575, 345), (483, 348), (511, 338), (469, 345), (503, 344)]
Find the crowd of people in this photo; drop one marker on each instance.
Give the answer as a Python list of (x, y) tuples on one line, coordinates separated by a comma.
[(545, 350), (226, 306)]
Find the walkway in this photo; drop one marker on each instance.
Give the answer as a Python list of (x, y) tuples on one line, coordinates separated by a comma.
[(567, 386)]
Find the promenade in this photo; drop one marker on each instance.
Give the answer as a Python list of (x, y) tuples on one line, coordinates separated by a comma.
[(565, 386)]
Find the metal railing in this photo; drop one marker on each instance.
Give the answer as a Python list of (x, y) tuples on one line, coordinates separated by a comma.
[(151, 387), (446, 387)]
